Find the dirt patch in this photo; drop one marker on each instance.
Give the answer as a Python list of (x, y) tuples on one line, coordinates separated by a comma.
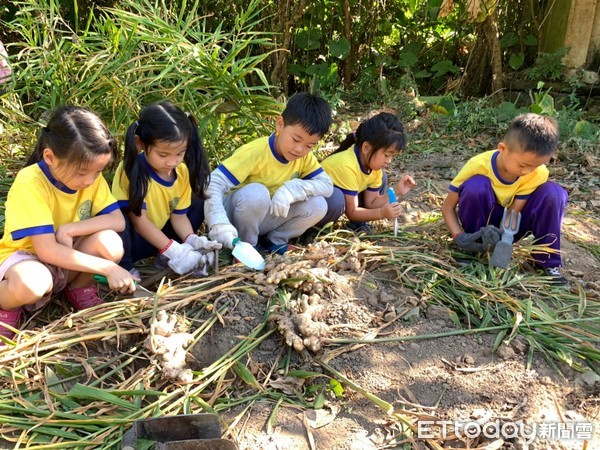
[(426, 365), (452, 378)]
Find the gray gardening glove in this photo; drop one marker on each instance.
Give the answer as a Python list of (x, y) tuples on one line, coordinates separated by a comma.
[(490, 235), (469, 242)]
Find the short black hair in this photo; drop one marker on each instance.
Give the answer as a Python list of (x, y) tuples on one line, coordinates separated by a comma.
[(309, 111), (534, 133)]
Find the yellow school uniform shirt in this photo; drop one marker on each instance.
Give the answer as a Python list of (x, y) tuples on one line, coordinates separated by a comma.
[(506, 191), (349, 175), (37, 203), (163, 198), (258, 162)]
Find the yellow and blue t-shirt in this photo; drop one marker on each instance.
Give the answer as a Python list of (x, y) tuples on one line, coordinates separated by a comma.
[(258, 162), (163, 198), (506, 191), (37, 203), (349, 175)]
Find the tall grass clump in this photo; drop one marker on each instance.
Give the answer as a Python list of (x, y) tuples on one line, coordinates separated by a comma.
[(126, 57)]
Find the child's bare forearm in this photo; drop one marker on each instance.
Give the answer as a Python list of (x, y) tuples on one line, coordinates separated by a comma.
[(145, 228), (449, 213), (112, 221), (52, 252), (182, 226)]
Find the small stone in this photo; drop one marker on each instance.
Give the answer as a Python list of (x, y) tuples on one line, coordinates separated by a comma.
[(546, 381), (437, 313), (505, 352), (413, 314), (588, 379), (372, 300), (479, 340), (389, 316), (468, 359), (414, 345), (385, 297), (519, 346)]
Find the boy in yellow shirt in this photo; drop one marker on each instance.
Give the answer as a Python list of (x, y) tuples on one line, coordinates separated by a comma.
[(513, 176), (273, 188)]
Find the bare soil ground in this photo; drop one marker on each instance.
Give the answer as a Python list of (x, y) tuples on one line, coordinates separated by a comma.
[(450, 378), (454, 378)]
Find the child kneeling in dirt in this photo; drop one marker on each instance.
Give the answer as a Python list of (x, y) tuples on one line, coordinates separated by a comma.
[(357, 170), (61, 220), (160, 186), (278, 186), (513, 176)]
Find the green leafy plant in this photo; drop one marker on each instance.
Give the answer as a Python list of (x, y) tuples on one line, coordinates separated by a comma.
[(549, 66), (139, 53)]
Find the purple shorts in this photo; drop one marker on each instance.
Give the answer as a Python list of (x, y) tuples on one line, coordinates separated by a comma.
[(59, 276)]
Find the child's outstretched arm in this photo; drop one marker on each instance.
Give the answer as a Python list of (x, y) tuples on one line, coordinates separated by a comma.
[(449, 213), (182, 226), (50, 251), (145, 228), (375, 207), (221, 229)]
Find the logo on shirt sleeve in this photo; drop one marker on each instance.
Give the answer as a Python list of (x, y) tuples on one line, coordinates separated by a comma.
[(85, 210)]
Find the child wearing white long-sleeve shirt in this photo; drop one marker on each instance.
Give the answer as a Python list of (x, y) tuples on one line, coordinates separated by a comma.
[(273, 188)]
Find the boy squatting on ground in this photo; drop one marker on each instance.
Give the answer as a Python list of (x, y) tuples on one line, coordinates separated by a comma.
[(514, 176), (279, 187)]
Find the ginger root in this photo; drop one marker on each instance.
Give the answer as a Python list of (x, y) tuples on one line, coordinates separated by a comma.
[(168, 342), (301, 325)]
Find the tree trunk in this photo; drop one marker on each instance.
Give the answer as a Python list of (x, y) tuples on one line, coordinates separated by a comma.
[(491, 31), (288, 13), (475, 80), (483, 72), (348, 60)]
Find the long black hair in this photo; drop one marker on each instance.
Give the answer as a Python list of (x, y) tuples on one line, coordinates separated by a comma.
[(75, 135), (383, 130), (163, 121)]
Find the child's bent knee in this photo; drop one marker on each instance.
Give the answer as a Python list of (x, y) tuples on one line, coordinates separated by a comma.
[(106, 244), (29, 283)]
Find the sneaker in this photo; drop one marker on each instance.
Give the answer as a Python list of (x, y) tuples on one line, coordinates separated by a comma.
[(308, 237), (360, 227), (556, 277), (9, 318), (266, 246), (83, 297)]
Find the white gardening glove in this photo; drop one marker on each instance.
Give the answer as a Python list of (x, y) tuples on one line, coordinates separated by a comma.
[(224, 233), (281, 201), (182, 257), (202, 269), (202, 243)]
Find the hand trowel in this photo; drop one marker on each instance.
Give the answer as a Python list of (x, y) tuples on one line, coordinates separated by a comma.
[(247, 255), (392, 197)]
